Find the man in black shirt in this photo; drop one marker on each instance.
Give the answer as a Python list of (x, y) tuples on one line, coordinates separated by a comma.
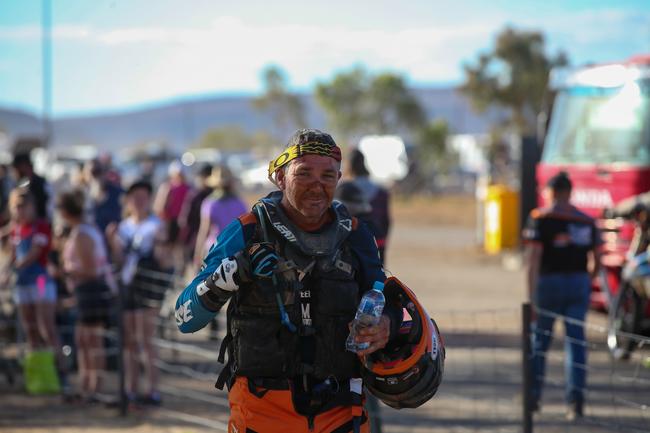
[(376, 195), (189, 219), (24, 173), (559, 240)]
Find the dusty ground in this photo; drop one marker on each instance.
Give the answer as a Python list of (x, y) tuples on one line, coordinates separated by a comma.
[(475, 302)]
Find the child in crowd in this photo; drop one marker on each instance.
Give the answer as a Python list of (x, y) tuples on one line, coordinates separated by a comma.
[(34, 290)]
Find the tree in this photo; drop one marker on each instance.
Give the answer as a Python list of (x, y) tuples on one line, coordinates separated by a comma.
[(285, 108), (434, 157), (343, 101), (358, 103), (513, 75), (433, 141), (392, 106)]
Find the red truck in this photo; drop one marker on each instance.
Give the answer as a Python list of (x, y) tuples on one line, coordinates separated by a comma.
[(599, 133)]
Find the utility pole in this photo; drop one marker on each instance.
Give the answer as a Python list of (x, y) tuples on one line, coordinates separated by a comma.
[(46, 51)]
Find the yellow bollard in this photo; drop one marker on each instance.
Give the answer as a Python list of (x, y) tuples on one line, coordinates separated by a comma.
[(501, 219)]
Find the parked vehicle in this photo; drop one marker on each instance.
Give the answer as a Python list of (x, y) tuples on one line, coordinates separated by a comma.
[(599, 132), (626, 314)]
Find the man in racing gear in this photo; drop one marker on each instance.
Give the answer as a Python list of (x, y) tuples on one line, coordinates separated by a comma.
[(294, 271)]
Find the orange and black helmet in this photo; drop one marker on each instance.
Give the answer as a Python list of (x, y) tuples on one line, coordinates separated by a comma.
[(407, 372)]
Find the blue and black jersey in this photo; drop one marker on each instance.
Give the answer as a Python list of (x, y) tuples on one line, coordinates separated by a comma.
[(192, 314)]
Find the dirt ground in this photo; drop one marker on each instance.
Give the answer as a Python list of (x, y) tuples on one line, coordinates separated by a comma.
[(476, 303)]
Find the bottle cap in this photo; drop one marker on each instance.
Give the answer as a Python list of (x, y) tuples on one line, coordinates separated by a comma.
[(378, 285)]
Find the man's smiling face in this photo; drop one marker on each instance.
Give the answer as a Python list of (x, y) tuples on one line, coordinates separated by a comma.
[(308, 185)]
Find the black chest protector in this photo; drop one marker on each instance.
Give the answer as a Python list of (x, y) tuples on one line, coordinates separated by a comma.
[(320, 295)]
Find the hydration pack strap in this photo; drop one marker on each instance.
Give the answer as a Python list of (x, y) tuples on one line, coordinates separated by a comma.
[(225, 344), (227, 374), (262, 224), (307, 335)]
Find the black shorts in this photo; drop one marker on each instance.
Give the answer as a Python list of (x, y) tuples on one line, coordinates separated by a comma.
[(147, 290), (94, 302), (173, 231)]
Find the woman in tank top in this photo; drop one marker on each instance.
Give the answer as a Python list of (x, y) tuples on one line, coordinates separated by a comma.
[(217, 210), (87, 272), (141, 246)]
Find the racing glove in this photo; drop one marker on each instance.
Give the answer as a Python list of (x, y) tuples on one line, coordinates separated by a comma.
[(259, 261), (263, 260)]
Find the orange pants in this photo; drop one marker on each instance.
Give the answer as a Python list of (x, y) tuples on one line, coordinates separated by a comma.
[(274, 413)]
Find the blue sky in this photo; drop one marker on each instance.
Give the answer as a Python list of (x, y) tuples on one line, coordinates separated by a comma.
[(116, 54)]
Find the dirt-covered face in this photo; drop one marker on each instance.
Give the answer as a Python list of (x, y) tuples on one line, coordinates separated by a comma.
[(308, 185)]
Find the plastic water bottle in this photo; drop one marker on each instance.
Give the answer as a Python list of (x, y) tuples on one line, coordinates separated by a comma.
[(368, 314)]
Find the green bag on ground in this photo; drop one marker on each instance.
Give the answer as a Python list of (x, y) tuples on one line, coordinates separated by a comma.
[(40, 373)]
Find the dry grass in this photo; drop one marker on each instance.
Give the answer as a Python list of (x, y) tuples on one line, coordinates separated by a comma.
[(456, 210)]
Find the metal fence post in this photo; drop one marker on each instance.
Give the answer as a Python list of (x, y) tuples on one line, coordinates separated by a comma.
[(122, 402), (374, 413), (526, 358)]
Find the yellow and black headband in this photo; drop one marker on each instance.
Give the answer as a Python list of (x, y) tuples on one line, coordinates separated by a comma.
[(298, 150)]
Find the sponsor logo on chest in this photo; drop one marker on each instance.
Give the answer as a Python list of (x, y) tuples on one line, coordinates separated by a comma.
[(592, 198), (284, 231)]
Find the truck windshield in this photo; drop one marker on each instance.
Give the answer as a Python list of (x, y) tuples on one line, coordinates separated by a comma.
[(602, 126)]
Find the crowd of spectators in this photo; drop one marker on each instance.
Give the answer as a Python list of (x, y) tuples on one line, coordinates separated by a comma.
[(97, 253)]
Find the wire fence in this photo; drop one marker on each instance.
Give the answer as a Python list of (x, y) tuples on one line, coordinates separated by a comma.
[(617, 392), (481, 390)]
